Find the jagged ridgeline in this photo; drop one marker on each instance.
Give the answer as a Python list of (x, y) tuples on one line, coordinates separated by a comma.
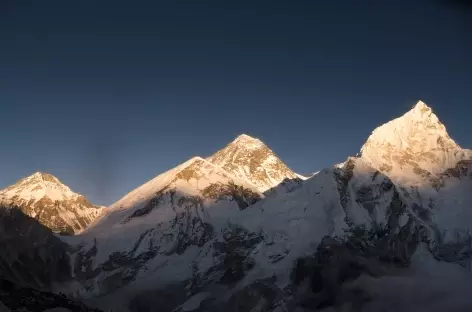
[(240, 231)]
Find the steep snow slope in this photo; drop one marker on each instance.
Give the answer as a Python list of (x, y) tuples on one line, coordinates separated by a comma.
[(158, 229), (246, 160), (195, 177), (414, 148), (327, 204), (432, 171), (250, 160), (44, 197)]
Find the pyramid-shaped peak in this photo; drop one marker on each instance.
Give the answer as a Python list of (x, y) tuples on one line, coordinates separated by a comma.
[(421, 106), (43, 197), (419, 122), (39, 178), (421, 111), (246, 140), (250, 160), (38, 185), (43, 176), (416, 138), (245, 137)]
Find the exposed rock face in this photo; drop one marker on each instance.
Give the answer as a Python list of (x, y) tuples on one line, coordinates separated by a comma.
[(15, 298), (252, 161), (232, 258), (339, 261), (30, 254), (43, 197)]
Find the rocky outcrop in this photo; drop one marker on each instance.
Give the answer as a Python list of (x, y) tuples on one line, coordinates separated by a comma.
[(244, 197)]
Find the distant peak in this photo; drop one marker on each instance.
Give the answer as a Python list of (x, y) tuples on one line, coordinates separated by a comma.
[(417, 137), (43, 175), (420, 110), (38, 185), (420, 105), (419, 122), (245, 139), (40, 177)]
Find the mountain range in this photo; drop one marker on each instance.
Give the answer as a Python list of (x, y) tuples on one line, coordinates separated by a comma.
[(240, 231)]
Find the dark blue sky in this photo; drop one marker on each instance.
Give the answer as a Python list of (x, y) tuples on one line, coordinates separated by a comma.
[(107, 94)]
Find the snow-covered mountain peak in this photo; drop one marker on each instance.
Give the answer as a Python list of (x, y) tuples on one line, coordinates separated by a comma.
[(412, 145), (247, 141), (250, 160), (43, 176), (424, 114), (418, 124), (421, 107), (37, 186), (44, 197)]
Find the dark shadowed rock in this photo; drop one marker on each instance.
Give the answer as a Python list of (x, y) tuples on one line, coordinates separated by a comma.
[(16, 298), (30, 254)]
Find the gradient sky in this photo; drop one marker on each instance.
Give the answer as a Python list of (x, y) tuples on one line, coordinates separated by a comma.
[(107, 94)]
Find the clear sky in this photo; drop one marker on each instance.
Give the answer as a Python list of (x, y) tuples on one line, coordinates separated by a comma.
[(107, 94)]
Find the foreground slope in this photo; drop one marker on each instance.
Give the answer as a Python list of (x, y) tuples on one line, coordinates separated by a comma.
[(43, 197)]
